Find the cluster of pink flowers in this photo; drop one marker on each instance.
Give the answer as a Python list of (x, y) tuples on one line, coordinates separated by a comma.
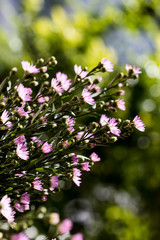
[(43, 131)]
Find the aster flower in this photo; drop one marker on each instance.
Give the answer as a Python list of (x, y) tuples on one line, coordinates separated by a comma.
[(20, 139), (104, 120), (65, 226), (29, 68), (113, 128), (70, 123), (77, 236), (139, 124), (85, 166), (54, 182), (56, 85), (46, 148), (4, 118), (20, 236), (75, 159), (107, 65), (24, 93), (76, 176), (22, 152), (136, 70), (94, 157), (19, 207), (87, 97), (37, 184), (25, 199), (120, 104), (6, 210), (78, 70), (63, 79)]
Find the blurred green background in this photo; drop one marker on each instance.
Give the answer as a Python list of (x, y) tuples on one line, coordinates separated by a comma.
[(120, 198)]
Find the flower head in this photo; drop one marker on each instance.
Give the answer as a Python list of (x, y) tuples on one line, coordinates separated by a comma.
[(65, 226), (19, 236), (46, 148), (87, 97), (70, 123), (77, 236), (22, 152), (76, 176), (54, 182), (29, 68), (6, 209), (37, 184), (133, 69), (107, 65), (139, 124), (24, 93), (120, 104), (94, 157)]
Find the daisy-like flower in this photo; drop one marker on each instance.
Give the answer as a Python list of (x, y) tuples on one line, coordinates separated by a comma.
[(107, 65), (65, 82), (65, 226), (22, 152), (19, 207), (77, 236), (46, 148), (76, 176), (24, 93), (75, 159), (20, 139), (56, 85), (139, 124), (120, 104), (136, 70), (54, 182), (87, 97), (25, 199), (4, 118), (29, 68), (78, 70), (113, 128), (94, 157), (37, 184), (20, 236), (6, 210), (70, 123), (104, 120), (85, 166)]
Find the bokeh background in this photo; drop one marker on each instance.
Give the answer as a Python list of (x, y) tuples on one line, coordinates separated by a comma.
[(120, 198)]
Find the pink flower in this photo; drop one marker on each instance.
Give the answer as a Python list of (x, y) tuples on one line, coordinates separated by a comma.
[(65, 82), (29, 68), (136, 70), (22, 152), (65, 226), (19, 236), (121, 104), (54, 182), (20, 139), (87, 97), (6, 209), (77, 236), (25, 199), (107, 65), (94, 157), (78, 70), (139, 124), (46, 148), (76, 176), (37, 184), (56, 85), (19, 207), (70, 123), (104, 120), (113, 128), (24, 93), (5, 118), (85, 166), (75, 159)]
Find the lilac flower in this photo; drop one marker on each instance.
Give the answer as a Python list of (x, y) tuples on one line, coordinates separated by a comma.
[(85, 166), (76, 176), (104, 120), (87, 97), (24, 93), (120, 104), (22, 152), (70, 123), (113, 128), (6, 210), (29, 68), (37, 184), (54, 182), (56, 85), (139, 124), (94, 157), (78, 70), (19, 236), (46, 148), (65, 226), (107, 65), (77, 236)]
